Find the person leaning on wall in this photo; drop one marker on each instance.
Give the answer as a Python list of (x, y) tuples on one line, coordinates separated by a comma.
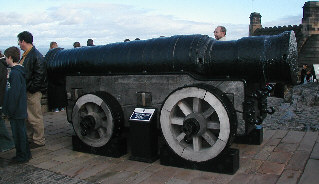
[(33, 62), (220, 33)]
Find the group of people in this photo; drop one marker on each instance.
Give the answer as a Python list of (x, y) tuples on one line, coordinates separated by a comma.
[(56, 83), (88, 43), (307, 74), (21, 102), (54, 45)]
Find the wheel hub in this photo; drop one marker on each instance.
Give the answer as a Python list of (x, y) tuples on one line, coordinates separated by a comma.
[(87, 124), (191, 127), (194, 124)]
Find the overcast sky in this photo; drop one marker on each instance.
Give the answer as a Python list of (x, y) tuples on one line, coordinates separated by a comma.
[(109, 21)]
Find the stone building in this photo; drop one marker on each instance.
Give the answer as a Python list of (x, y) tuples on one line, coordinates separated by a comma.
[(307, 33)]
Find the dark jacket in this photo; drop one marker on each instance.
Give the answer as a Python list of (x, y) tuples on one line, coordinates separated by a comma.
[(3, 80), (57, 97), (15, 101), (35, 71)]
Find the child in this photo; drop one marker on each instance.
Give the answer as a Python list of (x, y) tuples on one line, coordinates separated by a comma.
[(6, 142), (15, 105)]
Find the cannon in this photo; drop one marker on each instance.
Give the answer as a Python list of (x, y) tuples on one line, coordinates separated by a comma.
[(207, 92)]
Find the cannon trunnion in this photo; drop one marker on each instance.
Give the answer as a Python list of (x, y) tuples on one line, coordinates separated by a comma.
[(206, 91)]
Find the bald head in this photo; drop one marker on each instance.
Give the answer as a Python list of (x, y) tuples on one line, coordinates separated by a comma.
[(220, 32)]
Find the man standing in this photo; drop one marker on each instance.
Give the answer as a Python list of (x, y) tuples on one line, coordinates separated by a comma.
[(33, 62), (220, 33), (90, 42), (76, 44), (53, 45)]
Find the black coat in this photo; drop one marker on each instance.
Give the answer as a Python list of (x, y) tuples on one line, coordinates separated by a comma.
[(3, 80), (35, 71), (56, 91), (57, 97)]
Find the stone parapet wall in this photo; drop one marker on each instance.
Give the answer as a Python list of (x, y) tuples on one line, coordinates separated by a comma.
[(299, 110)]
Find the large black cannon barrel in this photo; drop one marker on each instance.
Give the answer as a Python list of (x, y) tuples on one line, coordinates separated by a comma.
[(255, 59)]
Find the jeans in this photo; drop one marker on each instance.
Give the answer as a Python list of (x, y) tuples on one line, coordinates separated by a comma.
[(19, 134), (6, 142)]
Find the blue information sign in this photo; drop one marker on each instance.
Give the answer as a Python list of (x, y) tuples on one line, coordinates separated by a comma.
[(141, 114)]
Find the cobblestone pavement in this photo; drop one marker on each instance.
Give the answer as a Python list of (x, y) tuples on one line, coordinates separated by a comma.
[(285, 156)]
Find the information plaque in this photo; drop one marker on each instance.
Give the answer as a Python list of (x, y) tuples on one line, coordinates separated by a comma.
[(142, 114)]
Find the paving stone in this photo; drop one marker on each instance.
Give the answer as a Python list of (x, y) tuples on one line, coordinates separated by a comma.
[(264, 179), (115, 160), (130, 165), (39, 159), (61, 168), (311, 173), (137, 166), (271, 168), (280, 134), (58, 146), (94, 169), (78, 161), (118, 177), (241, 178), (268, 134), (176, 181), (187, 174), (315, 152), (22, 173), (138, 178), (308, 141), (298, 161), (64, 151), (101, 176), (289, 176), (162, 176), (40, 152), (273, 142), (155, 167), (293, 137), (87, 163), (249, 166), (201, 180), (81, 169), (250, 151), (280, 157), (48, 164), (286, 147), (53, 138), (66, 158), (264, 153), (218, 178)]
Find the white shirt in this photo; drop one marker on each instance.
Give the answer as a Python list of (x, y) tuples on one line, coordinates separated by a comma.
[(222, 39)]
